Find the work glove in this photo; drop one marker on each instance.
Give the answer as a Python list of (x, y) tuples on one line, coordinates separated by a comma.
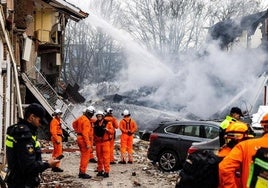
[(129, 133)]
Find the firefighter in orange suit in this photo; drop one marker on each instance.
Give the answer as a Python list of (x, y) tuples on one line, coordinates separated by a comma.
[(83, 128), (109, 117), (128, 127), (56, 137), (240, 157), (234, 133), (103, 133)]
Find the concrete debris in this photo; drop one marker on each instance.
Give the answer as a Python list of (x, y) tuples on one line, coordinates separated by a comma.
[(142, 173)]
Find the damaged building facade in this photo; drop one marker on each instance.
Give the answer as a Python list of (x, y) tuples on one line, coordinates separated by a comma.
[(249, 31), (31, 56)]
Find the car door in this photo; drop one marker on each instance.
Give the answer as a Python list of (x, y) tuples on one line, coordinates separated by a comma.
[(186, 135)]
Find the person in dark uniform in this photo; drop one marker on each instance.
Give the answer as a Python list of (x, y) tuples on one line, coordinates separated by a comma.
[(23, 151)]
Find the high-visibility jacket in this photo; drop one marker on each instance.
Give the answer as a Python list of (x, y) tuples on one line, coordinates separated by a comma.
[(23, 154), (84, 129), (240, 157), (223, 127), (227, 121)]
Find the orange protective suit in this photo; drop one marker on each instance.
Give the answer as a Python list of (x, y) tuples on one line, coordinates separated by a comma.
[(223, 152), (240, 157), (92, 121), (84, 140), (128, 127), (114, 122), (56, 137), (103, 146)]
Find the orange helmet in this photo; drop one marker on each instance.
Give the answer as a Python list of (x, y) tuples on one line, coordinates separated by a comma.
[(264, 121), (237, 131)]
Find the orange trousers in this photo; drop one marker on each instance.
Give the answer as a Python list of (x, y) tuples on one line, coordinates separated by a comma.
[(92, 150), (126, 147), (85, 154), (57, 148), (103, 155)]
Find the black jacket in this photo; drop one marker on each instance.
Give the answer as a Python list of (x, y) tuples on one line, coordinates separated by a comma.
[(23, 154)]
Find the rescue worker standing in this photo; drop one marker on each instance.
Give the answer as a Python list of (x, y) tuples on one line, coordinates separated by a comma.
[(103, 133), (240, 157), (23, 150), (128, 127), (109, 117), (56, 137), (83, 128), (235, 133), (235, 115)]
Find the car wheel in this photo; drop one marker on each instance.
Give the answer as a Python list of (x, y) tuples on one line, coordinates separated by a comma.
[(168, 161)]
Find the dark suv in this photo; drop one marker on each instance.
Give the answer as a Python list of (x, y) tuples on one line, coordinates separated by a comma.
[(170, 141)]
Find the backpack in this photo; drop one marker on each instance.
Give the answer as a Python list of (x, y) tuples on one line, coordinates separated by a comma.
[(258, 175), (199, 170), (100, 130)]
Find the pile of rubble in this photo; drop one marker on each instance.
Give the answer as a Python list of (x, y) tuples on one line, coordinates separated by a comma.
[(140, 174)]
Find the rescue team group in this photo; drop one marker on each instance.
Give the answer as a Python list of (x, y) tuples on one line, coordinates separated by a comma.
[(23, 151), (241, 161)]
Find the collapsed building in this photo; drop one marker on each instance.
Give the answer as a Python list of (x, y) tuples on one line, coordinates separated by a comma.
[(31, 56)]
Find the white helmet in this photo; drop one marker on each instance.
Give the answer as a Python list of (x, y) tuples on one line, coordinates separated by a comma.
[(90, 109), (125, 113), (57, 111), (99, 112), (109, 110), (84, 110)]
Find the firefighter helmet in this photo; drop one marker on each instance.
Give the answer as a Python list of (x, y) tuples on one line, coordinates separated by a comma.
[(109, 110), (237, 131), (90, 109), (125, 113), (57, 112), (99, 112)]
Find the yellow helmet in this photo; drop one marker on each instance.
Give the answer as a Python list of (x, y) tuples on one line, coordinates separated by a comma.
[(237, 131)]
